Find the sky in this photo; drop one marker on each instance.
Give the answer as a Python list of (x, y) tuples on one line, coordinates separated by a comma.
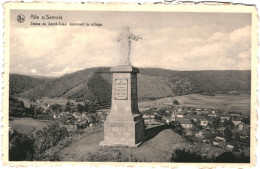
[(170, 40)]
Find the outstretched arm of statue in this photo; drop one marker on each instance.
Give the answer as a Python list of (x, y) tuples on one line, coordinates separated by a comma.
[(119, 38), (136, 38)]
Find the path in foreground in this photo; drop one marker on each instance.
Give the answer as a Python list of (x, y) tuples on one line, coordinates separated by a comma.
[(158, 148)]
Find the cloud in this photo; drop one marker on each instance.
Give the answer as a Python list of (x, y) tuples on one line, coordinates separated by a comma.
[(54, 51), (33, 70), (58, 50)]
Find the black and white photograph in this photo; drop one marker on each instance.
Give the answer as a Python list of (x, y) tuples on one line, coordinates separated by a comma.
[(123, 84)]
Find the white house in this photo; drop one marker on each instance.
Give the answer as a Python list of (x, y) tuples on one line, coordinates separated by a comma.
[(185, 123), (230, 147), (204, 122), (236, 121), (180, 114)]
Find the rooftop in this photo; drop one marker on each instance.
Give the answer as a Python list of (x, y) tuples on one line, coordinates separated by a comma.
[(183, 120)]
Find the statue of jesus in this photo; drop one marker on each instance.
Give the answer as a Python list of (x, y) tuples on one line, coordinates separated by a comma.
[(125, 45)]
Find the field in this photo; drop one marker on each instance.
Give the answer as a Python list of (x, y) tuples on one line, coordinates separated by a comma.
[(27, 125), (42, 101), (238, 103)]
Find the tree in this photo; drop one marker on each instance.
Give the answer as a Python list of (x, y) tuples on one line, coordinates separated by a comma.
[(80, 108), (47, 138), (177, 128), (245, 120), (175, 102), (216, 122), (55, 107), (21, 147), (227, 133), (229, 123), (67, 107), (90, 107), (68, 103), (183, 155), (226, 157)]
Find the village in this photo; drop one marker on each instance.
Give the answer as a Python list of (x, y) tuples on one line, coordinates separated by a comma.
[(226, 130)]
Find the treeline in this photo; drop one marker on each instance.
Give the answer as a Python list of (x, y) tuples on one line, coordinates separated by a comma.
[(17, 109)]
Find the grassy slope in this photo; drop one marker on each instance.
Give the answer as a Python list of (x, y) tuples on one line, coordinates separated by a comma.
[(158, 147), (160, 142)]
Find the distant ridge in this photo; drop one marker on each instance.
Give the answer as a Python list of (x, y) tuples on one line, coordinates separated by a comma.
[(153, 83)]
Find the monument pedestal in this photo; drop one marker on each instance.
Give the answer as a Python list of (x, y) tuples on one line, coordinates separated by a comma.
[(124, 125)]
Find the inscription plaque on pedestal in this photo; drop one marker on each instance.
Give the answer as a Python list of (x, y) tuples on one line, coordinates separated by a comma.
[(121, 89)]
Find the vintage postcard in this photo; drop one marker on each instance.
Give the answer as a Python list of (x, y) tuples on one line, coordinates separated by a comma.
[(129, 84)]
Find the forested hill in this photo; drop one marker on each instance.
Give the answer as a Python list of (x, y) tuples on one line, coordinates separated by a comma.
[(22, 83), (153, 83)]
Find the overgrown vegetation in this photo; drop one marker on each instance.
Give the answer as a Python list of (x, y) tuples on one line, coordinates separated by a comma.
[(184, 155), (21, 147), (24, 147)]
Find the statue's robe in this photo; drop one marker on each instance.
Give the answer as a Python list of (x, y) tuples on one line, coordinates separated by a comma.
[(125, 46)]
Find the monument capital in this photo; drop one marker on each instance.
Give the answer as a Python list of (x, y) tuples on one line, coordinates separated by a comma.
[(124, 69)]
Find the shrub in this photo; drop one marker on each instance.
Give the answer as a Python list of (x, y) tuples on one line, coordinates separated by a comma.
[(182, 155), (21, 147), (175, 102), (177, 128), (48, 138)]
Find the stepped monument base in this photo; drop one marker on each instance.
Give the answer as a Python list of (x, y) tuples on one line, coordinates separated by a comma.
[(124, 126)]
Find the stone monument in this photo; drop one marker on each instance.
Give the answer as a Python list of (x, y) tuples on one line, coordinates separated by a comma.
[(124, 125)]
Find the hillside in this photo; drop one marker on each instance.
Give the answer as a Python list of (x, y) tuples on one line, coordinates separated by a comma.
[(153, 83), (22, 83)]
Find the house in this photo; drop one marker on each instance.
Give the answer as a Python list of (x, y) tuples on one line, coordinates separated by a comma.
[(236, 120), (224, 117), (84, 115), (234, 114), (221, 129), (230, 147), (195, 119), (219, 141), (180, 114), (185, 123), (203, 133), (212, 114), (173, 116), (146, 118), (11, 131), (241, 126), (55, 116), (204, 122), (243, 137)]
